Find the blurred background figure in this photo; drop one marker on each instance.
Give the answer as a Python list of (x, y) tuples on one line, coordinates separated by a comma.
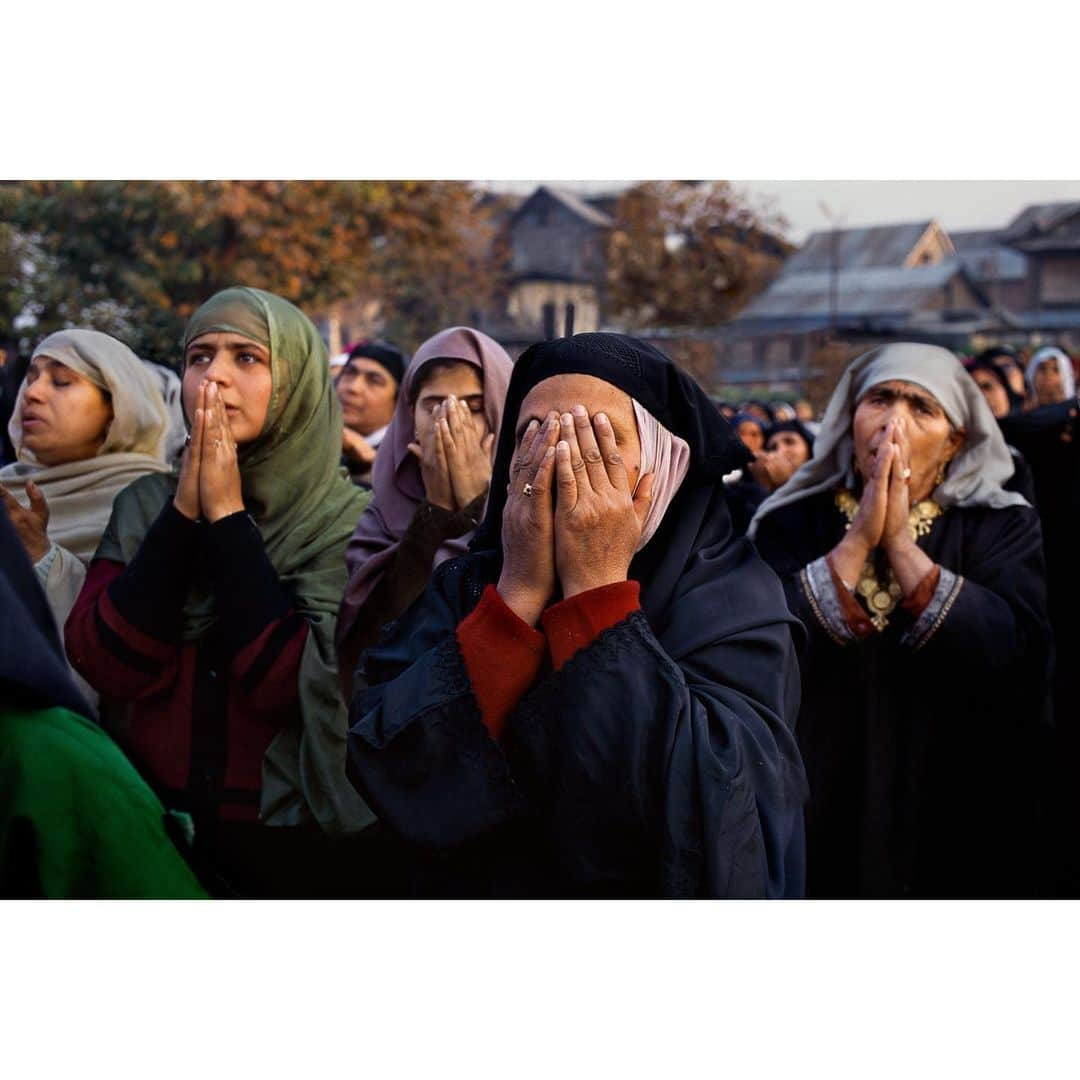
[(1051, 377), (367, 387), (89, 419), (787, 447), (430, 482), (760, 409), (751, 430), (783, 411)]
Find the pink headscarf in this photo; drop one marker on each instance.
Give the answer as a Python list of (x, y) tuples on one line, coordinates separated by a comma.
[(396, 481), (667, 457)]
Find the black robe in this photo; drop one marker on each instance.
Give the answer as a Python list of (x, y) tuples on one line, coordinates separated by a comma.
[(923, 761), (659, 761)]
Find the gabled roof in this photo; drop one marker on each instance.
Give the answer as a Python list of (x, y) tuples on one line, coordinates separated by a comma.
[(577, 207), (860, 294), (1038, 220), (858, 249)]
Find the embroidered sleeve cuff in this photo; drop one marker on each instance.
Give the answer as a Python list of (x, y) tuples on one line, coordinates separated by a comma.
[(917, 602), (572, 624), (826, 598), (502, 655), (936, 610)]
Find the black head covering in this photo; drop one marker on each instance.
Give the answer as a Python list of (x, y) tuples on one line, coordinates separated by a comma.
[(33, 669), (797, 427), (763, 405), (382, 353), (983, 362), (635, 367)]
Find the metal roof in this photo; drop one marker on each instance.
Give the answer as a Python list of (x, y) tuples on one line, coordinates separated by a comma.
[(578, 207), (859, 294), (858, 249), (1037, 220), (986, 258)]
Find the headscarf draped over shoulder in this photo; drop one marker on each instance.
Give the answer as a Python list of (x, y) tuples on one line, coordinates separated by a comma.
[(974, 477), (305, 508)]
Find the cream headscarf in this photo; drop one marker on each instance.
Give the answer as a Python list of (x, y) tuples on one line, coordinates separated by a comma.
[(80, 493), (973, 478), (1068, 378)]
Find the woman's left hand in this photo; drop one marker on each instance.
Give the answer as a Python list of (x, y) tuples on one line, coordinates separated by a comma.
[(898, 509), (468, 452), (597, 519), (219, 470), (31, 523)]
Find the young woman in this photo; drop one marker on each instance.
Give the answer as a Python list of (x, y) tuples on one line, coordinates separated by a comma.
[(89, 419), (430, 482), (598, 699), (210, 609), (1051, 377), (920, 581)]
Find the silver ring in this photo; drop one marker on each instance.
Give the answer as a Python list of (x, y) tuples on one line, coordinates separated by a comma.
[(218, 442), (906, 474), (527, 491)]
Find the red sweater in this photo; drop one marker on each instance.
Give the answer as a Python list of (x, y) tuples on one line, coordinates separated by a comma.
[(503, 653), (201, 713)]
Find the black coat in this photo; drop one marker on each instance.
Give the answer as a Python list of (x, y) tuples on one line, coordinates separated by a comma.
[(659, 761), (923, 762)]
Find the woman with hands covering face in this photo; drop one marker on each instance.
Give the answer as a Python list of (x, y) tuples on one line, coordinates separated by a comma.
[(598, 698), (920, 580), (207, 619), (431, 479)]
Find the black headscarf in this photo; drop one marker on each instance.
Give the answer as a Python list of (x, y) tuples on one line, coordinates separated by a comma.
[(984, 362), (33, 670), (393, 360), (636, 368), (795, 426)]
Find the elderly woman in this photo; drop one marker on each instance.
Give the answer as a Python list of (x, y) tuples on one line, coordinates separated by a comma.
[(1050, 376), (208, 614), (920, 581), (89, 419), (598, 699), (430, 482)]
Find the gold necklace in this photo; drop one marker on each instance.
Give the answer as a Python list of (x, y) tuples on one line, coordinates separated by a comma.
[(882, 594)]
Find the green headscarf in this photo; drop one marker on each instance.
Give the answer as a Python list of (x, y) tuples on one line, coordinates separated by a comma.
[(306, 509)]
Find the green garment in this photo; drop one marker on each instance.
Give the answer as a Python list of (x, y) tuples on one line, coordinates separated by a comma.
[(76, 820), (305, 508)]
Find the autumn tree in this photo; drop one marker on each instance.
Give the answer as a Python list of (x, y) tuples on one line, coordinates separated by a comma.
[(689, 254), (135, 258)]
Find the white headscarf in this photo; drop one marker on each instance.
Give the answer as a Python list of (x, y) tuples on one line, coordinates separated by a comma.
[(973, 478), (1068, 379), (667, 457), (80, 493)]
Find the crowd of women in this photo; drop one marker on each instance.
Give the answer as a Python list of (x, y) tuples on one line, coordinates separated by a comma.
[(453, 625)]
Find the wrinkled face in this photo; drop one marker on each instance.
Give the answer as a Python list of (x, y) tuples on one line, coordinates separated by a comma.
[(931, 440), (241, 369), (65, 417), (752, 436), (561, 393), (464, 382), (1048, 382), (791, 448), (994, 392), (368, 395)]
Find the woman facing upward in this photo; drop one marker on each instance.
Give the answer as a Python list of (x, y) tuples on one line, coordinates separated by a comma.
[(599, 697), (89, 419), (920, 580), (210, 608), (430, 483)]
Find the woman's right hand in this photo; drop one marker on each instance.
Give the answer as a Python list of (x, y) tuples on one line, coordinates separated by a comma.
[(430, 452), (187, 499), (527, 581), (865, 533)]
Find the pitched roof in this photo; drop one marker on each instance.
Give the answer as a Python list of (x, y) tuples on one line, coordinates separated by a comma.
[(577, 207), (1038, 219), (858, 249), (860, 294)]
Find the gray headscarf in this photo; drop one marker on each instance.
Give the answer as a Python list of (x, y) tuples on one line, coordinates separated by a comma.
[(973, 478)]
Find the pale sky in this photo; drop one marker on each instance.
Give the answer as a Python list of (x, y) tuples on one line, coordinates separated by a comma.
[(957, 204)]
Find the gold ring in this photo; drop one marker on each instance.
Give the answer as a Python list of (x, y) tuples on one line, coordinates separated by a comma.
[(527, 491)]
